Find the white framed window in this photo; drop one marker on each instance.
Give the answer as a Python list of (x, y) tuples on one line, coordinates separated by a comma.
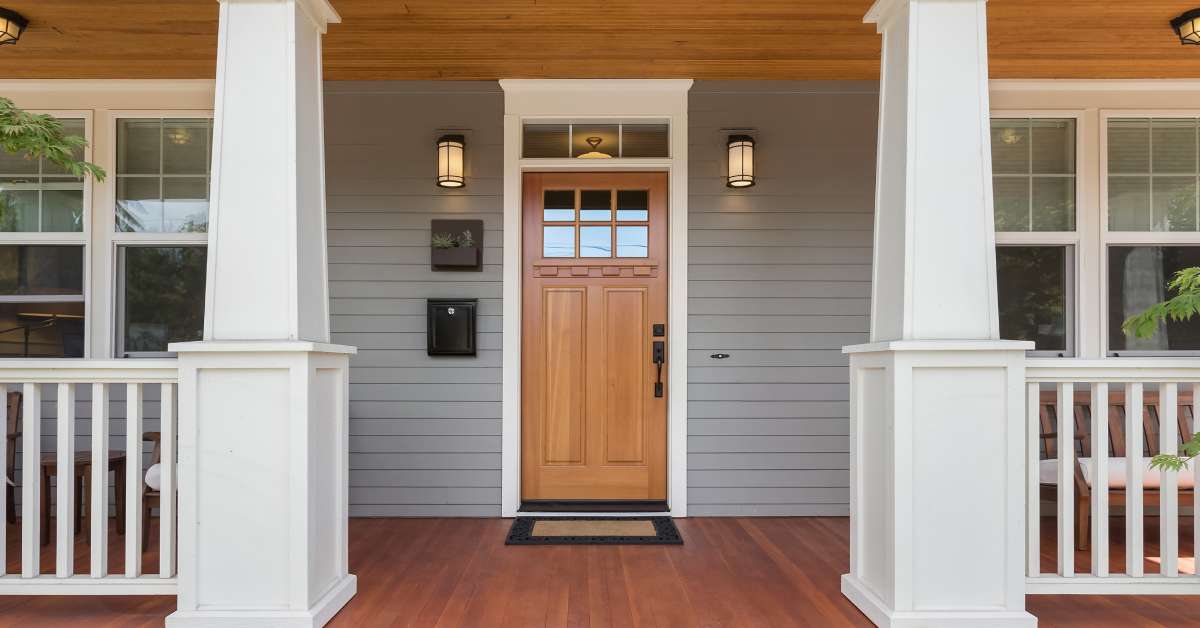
[(45, 217), (1150, 200), (1036, 192), (157, 229)]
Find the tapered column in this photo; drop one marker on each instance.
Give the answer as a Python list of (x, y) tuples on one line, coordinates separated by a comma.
[(263, 399), (937, 445)]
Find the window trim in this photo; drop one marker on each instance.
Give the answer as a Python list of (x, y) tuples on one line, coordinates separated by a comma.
[(1074, 240), (110, 240), (81, 238), (1109, 238)]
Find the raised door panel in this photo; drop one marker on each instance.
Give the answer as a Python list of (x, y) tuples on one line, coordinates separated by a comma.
[(626, 380), (563, 415)]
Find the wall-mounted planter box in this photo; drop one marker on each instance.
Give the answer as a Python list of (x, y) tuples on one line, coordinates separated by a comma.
[(469, 258)]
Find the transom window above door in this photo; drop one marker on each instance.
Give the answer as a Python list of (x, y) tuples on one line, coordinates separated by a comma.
[(595, 141), (585, 223)]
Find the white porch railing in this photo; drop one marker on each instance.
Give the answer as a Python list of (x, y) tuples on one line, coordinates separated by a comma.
[(1093, 416), (31, 377)]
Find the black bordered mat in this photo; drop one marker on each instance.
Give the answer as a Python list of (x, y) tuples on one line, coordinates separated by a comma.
[(593, 531)]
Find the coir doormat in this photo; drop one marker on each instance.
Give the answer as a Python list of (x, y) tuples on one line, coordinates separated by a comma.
[(593, 531)]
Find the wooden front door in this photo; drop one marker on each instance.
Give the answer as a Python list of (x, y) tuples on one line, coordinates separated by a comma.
[(594, 307)]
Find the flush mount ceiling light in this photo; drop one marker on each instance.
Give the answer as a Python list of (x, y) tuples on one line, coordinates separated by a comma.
[(1187, 27), (450, 151), (595, 143), (11, 26), (741, 161)]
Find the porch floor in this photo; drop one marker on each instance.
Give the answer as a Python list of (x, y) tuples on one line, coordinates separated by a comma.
[(731, 572)]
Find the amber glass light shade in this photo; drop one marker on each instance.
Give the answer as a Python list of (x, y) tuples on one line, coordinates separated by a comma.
[(741, 161), (11, 26), (1187, 27), (451, 151)]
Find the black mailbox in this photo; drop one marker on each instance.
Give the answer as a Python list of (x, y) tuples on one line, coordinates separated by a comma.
[(451, 326)]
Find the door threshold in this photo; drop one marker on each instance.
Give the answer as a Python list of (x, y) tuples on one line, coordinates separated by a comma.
[(593, 506)]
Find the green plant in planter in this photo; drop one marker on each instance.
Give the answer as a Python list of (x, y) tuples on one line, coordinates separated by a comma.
[(443, 241), (466, 240), (1181, 307)]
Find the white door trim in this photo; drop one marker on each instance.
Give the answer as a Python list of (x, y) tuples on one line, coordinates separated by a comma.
[(598, 99)]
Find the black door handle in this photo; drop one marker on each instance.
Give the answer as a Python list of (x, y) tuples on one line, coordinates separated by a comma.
[(660, 356)]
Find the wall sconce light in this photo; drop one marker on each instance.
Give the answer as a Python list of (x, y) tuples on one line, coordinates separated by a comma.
[(451, 152), (12, 24), (741, 161), (1187, 26)]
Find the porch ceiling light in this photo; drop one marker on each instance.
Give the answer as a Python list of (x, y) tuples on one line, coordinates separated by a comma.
[(741, 161), (11, 26), (451, 151), (1187, 26)]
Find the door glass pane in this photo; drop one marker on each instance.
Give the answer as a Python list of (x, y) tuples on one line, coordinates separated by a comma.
[(559, 205), (595, 205), (595, 242), (1137, 279), (163, 296), (631, 241), (558, 241), (632, 205), (644, 140), (546, 141), (1032, 289), (595, 140), (41, 270)]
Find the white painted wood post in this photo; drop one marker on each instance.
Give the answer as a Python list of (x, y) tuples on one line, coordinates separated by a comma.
[(938, 401), (263, 399)]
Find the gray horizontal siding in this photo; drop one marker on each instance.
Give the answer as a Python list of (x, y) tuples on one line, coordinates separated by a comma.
[(779, 279), (424, 432)]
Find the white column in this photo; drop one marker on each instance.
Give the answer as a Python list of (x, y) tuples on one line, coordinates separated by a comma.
[(936, 398), (264, 399)]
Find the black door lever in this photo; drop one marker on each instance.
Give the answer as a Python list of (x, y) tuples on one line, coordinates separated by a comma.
[(660, 356)]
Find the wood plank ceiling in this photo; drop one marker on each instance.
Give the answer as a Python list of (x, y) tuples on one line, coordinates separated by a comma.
[(490, 39)]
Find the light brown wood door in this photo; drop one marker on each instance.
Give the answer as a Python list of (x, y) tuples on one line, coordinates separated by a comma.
[(593, 426)]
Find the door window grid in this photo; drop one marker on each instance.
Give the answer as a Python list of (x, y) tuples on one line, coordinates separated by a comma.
[(570, 233)]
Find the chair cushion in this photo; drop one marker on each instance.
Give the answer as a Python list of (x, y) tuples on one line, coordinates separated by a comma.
[(154, 476), (1151, 478)]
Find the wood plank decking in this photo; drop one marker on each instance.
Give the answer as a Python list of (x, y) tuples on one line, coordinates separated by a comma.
[(775, 572)]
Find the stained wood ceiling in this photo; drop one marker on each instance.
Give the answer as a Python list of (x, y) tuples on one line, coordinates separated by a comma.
[(490, 39)]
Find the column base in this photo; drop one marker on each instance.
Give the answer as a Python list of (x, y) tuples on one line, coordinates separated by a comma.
[(315, 617), (881, 615)]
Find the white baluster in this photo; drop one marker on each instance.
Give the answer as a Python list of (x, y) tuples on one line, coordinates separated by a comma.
[(65, 518), (1195, 476), (133, 480), (1066, 478), (3, 485), (99, 497), (1168, 488), (31, 481), (166, 500), (1100, 479), (1133, 479), (1033, 492)]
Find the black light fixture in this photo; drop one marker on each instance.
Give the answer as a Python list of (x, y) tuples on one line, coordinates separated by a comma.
[(1187, 26), (12, 24), (451, 155), (741, 161)]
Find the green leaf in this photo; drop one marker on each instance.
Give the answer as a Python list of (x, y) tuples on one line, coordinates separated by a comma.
[(42, 136)]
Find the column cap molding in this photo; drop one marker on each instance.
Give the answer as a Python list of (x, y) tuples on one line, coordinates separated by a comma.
[(939, 345), (322, 13), (259, 346), (880, 11)]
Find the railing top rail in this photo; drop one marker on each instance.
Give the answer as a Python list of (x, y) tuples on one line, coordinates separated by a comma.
[(1112, 370), (23, 371)]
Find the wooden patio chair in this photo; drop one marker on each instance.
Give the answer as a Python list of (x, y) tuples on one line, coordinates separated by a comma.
[(150, 496), (1082, 446)]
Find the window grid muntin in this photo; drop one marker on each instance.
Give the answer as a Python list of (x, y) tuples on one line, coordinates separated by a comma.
[(570, 139), (161, 175), (613, 222), (1107, 175), (1030, 176), (57, 181)]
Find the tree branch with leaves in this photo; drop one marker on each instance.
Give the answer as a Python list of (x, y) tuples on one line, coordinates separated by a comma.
[(42, 136), (1184, 306)]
